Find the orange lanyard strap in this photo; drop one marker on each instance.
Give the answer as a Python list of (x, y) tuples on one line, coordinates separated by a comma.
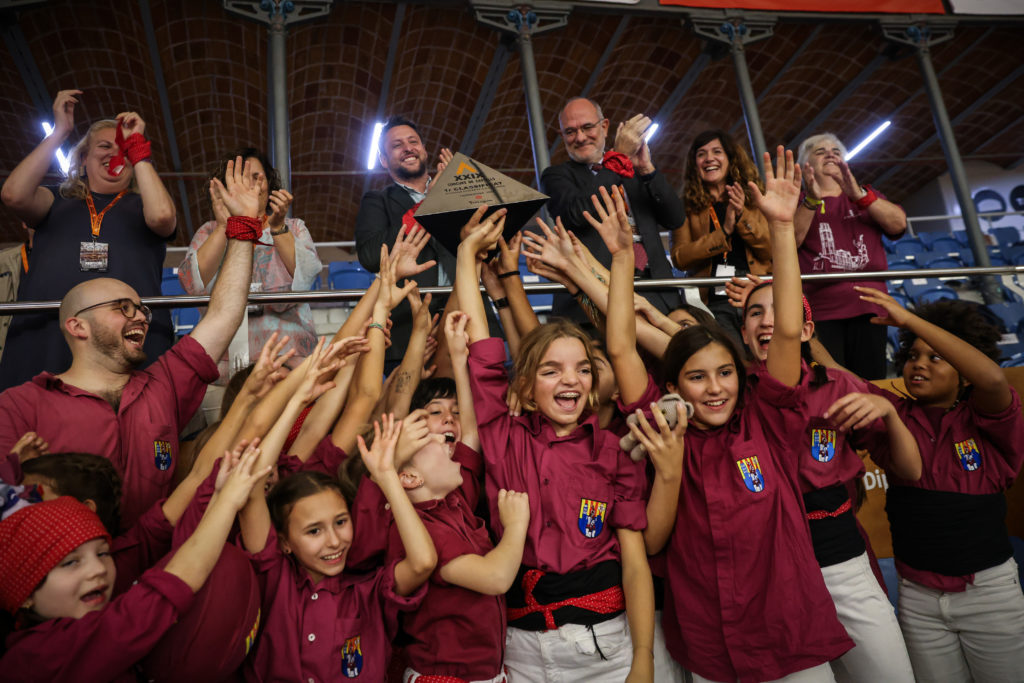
[(96, 219), (718, 227), (24, 257)]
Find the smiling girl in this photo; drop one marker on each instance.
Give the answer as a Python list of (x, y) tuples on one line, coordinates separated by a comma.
[(584, 550), (746, 600)]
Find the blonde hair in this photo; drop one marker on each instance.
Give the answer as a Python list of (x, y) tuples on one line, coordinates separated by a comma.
[(76, 185), (531, 352)]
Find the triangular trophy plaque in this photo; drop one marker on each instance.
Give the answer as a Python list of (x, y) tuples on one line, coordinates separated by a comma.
[(463, 186)]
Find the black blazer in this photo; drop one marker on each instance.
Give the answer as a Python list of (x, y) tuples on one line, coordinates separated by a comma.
[(652, 201), (378, 222)]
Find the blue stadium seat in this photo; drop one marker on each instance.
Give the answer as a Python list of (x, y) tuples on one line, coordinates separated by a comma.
[(917, 287), (947, 244), (961, 237), (1014, 254), (929, 238), (1006, 236), (935, 294), (907, 246), (348, 275), (1011, 313)]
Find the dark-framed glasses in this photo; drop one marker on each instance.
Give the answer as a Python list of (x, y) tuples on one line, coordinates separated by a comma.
[(126, 306), (586, 129)]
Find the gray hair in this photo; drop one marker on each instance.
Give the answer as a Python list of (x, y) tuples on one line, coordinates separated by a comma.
[(810, 143)]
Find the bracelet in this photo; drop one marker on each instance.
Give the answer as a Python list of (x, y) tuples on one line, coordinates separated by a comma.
[(282, 231), (869, 198), (500, 303), (244, 228), (814, 204), (378, 326), (511, 273)]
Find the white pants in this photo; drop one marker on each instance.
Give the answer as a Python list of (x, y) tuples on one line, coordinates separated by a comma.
[(570, 653), (411, 676), (867, 614), (816, 674), (974, 635), (666, 669)]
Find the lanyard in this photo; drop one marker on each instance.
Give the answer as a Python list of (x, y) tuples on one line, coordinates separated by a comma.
[(96, 219), (718, 227), (24, 257)]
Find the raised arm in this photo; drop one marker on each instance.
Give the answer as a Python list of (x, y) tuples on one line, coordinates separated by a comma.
[(407, 375), (22, 192), (778, 204), (157, 206), (467, 282), (420, 556), (458, 344), (665, 448), (229, 296), (889, 217), (991, 390), (495, 572)]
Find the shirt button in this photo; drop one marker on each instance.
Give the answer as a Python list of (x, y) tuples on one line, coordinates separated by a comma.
[(548, 525), (314, 596), (311, 637), (547, 481), (310, 680)]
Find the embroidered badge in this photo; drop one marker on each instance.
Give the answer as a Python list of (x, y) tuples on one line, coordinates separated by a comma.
[(592, 514), (968, 454), (250, 639), (352, 657), (823, 444), (162, 455), (750, 470)]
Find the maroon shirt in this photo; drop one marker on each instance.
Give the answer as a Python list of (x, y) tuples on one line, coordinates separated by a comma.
[(999, 440), (843, 239), (339, 628), (826, 456), (103, 645), (326, 458), (141, 547), (456, 631), (746, 599), (578, 484), (141, 438)]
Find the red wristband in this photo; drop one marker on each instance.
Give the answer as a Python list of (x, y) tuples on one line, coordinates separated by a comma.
[(137, 148), (868, 199), (243, 228)]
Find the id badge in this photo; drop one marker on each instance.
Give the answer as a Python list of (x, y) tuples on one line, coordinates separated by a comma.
[(93, 256), (723, 270)]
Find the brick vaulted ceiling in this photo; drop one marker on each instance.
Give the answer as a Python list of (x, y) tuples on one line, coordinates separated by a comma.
[(214, 66)]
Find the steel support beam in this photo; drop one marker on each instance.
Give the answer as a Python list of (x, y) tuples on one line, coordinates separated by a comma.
[(488, 91), (524, 22), (21, 55), (598, 68), (385, 84), (922, 37), (835, 102), (737, 33), (277, 14), (165, 109)]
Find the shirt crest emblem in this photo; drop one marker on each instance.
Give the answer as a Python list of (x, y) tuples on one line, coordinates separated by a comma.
[(968, 454), (250, 639), (592, 516), (823, 444), (750, 470), (162, 455), (352, 657)]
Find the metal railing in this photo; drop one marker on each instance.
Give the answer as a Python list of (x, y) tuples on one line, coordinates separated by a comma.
[(329, 296)]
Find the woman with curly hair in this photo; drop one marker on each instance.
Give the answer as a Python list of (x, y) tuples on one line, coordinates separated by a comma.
[(724, 233), (285, 260), (111, 217), (960, 604)]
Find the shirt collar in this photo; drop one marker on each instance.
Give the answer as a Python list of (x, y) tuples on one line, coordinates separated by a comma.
[(413, 192)]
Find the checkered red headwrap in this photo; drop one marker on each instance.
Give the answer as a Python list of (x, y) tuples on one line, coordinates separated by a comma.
[(35, 539)]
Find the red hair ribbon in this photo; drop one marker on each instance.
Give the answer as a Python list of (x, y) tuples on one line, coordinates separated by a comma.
[(807, 310), (618, 163)]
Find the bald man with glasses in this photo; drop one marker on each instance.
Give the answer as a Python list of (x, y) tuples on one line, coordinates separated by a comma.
[(103, 403), (652, 202)]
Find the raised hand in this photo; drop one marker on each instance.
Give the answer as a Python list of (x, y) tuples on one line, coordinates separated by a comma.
[(629, 136), (508, 253), (131, 123), (844, 178), (513, 509), (64, 113), (319, 373), (390, 293), (29, 446), (739, 288), (895, 314), (413, 437), (782, 187), (267, 370), (811, 184), (220, 212), (484, 235), (407, 249), (380, 459), (231, 459), (455, 333), (444, 158), (239, 192), (544, 248), (612, 223), (735, 207), (280, 201), (857, 411), (421, 319), (240, 479)]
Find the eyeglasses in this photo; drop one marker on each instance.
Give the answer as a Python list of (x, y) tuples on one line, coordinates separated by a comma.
[(126, 306), (586, 128)]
